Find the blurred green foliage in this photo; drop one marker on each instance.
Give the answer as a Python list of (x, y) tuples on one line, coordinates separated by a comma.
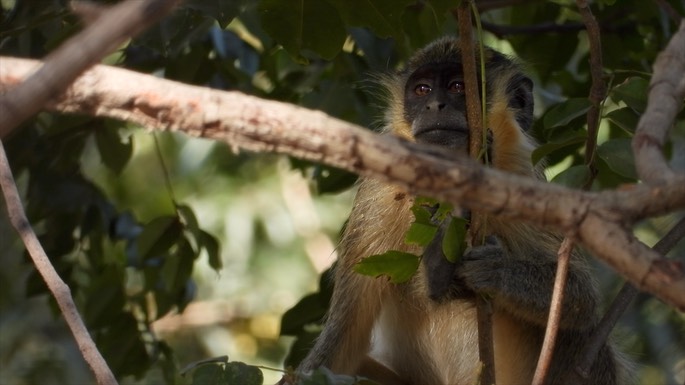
[(133, 221)]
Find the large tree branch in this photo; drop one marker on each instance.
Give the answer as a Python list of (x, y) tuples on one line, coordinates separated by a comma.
[(666, 92), (602, 220), (107, 30)]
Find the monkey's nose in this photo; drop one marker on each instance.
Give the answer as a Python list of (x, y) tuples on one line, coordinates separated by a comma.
[(435, 106)]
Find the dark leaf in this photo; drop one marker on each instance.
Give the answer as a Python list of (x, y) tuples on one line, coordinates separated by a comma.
[(115, 151), (312, 25), (564, 112), (238, 373), (633, 92), (158, 236), (618, 154), (211, 244), (576, 176)]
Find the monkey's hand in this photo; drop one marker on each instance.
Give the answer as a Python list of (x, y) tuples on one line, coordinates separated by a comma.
[(523, 285)]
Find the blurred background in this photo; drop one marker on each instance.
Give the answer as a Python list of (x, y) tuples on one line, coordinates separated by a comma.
[(180, 249)]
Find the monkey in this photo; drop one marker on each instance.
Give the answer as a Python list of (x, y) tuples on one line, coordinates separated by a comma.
[(424, 331)]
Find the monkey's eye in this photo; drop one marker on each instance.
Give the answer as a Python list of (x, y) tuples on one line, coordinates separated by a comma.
[(422, 89), (455, 86)]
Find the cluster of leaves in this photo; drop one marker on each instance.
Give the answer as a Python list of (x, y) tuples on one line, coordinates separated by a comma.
[(316, 54), (429, 215)]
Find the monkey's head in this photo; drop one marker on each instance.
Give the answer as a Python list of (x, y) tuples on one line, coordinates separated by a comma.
[(428, 101)]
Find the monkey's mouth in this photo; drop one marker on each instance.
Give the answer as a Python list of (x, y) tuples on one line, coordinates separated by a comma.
[(453, 137)]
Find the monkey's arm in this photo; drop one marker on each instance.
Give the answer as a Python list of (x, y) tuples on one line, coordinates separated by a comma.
[(345, 338), (523, 285), (520, 285), (356, 302)]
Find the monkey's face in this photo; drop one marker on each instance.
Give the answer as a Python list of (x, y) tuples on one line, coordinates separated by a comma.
[(435, 105)]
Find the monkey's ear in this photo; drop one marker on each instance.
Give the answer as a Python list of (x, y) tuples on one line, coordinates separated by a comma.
[(521, 100)]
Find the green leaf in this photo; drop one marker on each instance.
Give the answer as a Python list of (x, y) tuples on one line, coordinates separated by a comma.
[(563, 113), (397, 265), (625, 118), (420, 234), (421, 210), (618, 154), (633, 92), (122, 346), (158, 236), (454, 242), (178, 267), (239, 373), (575, 176), (211, 244), (115, 151), (104, 298), (312, 25)]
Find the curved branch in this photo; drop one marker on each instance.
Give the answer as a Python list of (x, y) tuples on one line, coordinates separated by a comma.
[(666, 93), (249, 123), (474, 117), (597, 89), (57, 287), (63, 66)]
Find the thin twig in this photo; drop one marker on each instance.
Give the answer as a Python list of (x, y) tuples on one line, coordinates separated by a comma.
[(666, 93), (596, 97), (474, 117), (57, 287), (554, 318), (597, 89)]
